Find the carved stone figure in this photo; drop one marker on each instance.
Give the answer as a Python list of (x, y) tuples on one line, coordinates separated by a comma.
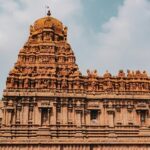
[(107, 74)]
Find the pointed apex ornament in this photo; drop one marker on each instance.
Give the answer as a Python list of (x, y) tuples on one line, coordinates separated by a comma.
[(49, 13)]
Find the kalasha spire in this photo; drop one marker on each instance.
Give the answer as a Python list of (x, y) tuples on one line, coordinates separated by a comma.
[(49, 13)]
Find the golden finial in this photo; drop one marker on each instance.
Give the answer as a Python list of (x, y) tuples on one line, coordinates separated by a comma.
[(47, 8), (49, 13)]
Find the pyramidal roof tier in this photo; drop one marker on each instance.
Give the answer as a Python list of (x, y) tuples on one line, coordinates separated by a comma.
[(47, 63), (45, 58)]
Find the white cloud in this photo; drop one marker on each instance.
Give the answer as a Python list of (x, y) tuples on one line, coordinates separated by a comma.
[(125, 39)]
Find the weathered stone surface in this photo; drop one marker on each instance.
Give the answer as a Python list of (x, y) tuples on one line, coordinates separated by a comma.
[(49, 104)]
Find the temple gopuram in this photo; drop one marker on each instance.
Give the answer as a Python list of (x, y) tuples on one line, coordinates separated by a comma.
[(49, 105)]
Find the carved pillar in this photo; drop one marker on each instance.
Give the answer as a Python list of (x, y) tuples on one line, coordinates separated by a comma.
[(4, 117), (124, 116), (49, 116), (130, 117), (105, 116), (36, 115), (118, 120), (18, 110), (25, 114), (137, 118), (64, 113), (83, 118), (39, 117), (111, 117), (78, 118), (9, 115), (53, 115), (70, 116), (30, 120), (88, 121), (99, 117), (58, 114)]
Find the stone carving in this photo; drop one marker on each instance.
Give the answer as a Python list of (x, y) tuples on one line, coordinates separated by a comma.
[(107, 74)]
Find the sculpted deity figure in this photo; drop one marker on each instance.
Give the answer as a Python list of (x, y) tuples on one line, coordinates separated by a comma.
[(122, 86), (65, 33), (63, 71), (56, 37), (51, 71), (31, 29), (39, 38), (94, 74), (93, 86), (138, 74), (108, 85), (46, 36), (9, 83), (14, 71), (61, 58), (129, 74), (77, 73), (89, 73), (121, 74), (26, 80), (107, 74), (76, 84), (133, 74), (51, 36), (64, 83), (65, 30), (145, 74)]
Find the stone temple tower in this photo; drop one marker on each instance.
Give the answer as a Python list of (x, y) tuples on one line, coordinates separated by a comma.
[(48, 104)]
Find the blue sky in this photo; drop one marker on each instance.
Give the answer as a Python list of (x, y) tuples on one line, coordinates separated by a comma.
[(104, 34)]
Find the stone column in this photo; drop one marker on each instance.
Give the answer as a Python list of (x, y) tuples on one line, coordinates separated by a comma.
[(30, 114), (88, 120), (70, 119), (4, 117), (25, 114), (83, 118), (39, 117), (130, 117), (78, 118), (99, 117), (64, 115), (8, 117), (48, 116), (111, 118), (18, 110), (118, 116), (53, 115), (124, 116), (148, 119), (36, 115), (105, 116)]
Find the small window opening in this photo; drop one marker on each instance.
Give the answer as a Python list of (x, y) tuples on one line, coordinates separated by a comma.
[(44, 116), (94, 116), (143, 117)]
